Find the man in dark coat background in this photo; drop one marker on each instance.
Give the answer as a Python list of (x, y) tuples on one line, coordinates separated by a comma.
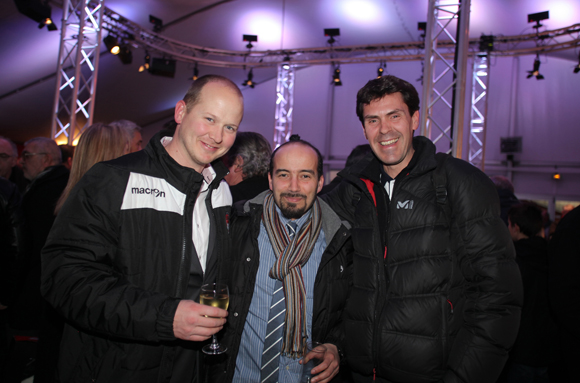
[(564, 291)]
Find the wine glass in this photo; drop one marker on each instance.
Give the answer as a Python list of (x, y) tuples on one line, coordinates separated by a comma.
[(316, 351), (216, 295)]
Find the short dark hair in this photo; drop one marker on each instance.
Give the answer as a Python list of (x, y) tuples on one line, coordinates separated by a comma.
[(192, 96), (358, 153), (254, 149), (502, 183), (380, 87), (528, 216), (295, 139)]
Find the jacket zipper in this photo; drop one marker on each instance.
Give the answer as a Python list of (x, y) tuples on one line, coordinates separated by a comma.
[(183, 246), (378, 311)]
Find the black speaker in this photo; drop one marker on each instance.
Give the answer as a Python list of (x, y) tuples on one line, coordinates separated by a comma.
[(162, 67), (510, 145)]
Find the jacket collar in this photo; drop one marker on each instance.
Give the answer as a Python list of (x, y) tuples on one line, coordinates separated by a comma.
[(184, 174), (331, 222)]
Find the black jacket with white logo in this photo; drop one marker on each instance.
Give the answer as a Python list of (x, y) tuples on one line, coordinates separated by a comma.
[(119, 259), (437, 294)]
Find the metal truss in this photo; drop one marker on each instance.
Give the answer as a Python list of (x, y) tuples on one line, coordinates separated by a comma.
[(478, 121), (78, 66), (444, 85), (284, 104), (155, 43)]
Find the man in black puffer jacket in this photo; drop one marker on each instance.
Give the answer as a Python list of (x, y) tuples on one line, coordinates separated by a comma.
[(437, 292)]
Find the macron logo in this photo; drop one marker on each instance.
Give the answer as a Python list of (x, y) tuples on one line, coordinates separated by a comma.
[(405, 204), (146, 192), (154, 192)]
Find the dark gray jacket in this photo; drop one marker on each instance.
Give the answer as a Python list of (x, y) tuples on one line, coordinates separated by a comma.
[(331, 288)]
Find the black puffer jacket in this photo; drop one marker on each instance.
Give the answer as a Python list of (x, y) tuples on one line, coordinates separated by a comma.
[(437, 292), (119, 259), (331, 288)]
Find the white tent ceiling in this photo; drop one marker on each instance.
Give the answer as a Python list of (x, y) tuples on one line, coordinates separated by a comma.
[(29, 55)]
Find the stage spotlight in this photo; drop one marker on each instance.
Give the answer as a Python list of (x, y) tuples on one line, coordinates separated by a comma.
[(577, 67), (250, 39), (556, 176), (486, 43), (250, 80), (537, 17), (331, 32), (112, 44), (381, 69), (536, 71), (38, 11), (125, 54), (195, 73), (146, 61), (336, 77), (286, 64), (422, 26), (157, 23)]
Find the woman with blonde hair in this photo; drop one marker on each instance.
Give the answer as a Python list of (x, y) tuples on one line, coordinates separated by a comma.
[(99, 142)]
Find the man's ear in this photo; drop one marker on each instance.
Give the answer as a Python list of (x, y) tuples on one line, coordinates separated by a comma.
[(320, 184), (180, 111), (270, 180), (239, 162)]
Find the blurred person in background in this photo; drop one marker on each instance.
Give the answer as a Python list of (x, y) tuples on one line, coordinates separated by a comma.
[(99, 142), (134, 130), (248, 162)]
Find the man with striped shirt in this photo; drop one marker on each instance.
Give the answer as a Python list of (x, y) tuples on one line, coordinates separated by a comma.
[(289, 276)]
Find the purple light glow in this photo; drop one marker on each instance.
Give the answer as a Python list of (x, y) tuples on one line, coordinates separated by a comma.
[(266, 24), (362, 13)]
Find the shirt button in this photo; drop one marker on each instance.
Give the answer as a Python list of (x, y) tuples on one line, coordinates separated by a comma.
[(235, 314), (248, 259), (287, 368)]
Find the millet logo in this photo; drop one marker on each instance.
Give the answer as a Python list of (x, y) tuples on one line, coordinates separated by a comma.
[(405, 204), (155, 192)]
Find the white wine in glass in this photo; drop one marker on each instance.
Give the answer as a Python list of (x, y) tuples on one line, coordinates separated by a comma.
[(220, 301), (216, 295)]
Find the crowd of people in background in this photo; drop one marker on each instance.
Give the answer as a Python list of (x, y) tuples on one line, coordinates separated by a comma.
[(102, 260)]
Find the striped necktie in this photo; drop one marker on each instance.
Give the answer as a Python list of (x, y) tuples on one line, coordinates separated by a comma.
[(275, 328)]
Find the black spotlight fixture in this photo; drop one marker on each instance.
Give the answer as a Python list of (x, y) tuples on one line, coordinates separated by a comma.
[(112, 44), (577, 67), (162, 67), (195, 73), (38, 11), (157, 23), (537, 17), (336, 77), (250, 39), (486, 43), (250, 80), (146, 62), (536, 71), (381, 69), (332, 33), (125, 54), (422, 26), (286, 63)]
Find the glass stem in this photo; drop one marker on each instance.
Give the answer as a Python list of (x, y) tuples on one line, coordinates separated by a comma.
[(214, 343)]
